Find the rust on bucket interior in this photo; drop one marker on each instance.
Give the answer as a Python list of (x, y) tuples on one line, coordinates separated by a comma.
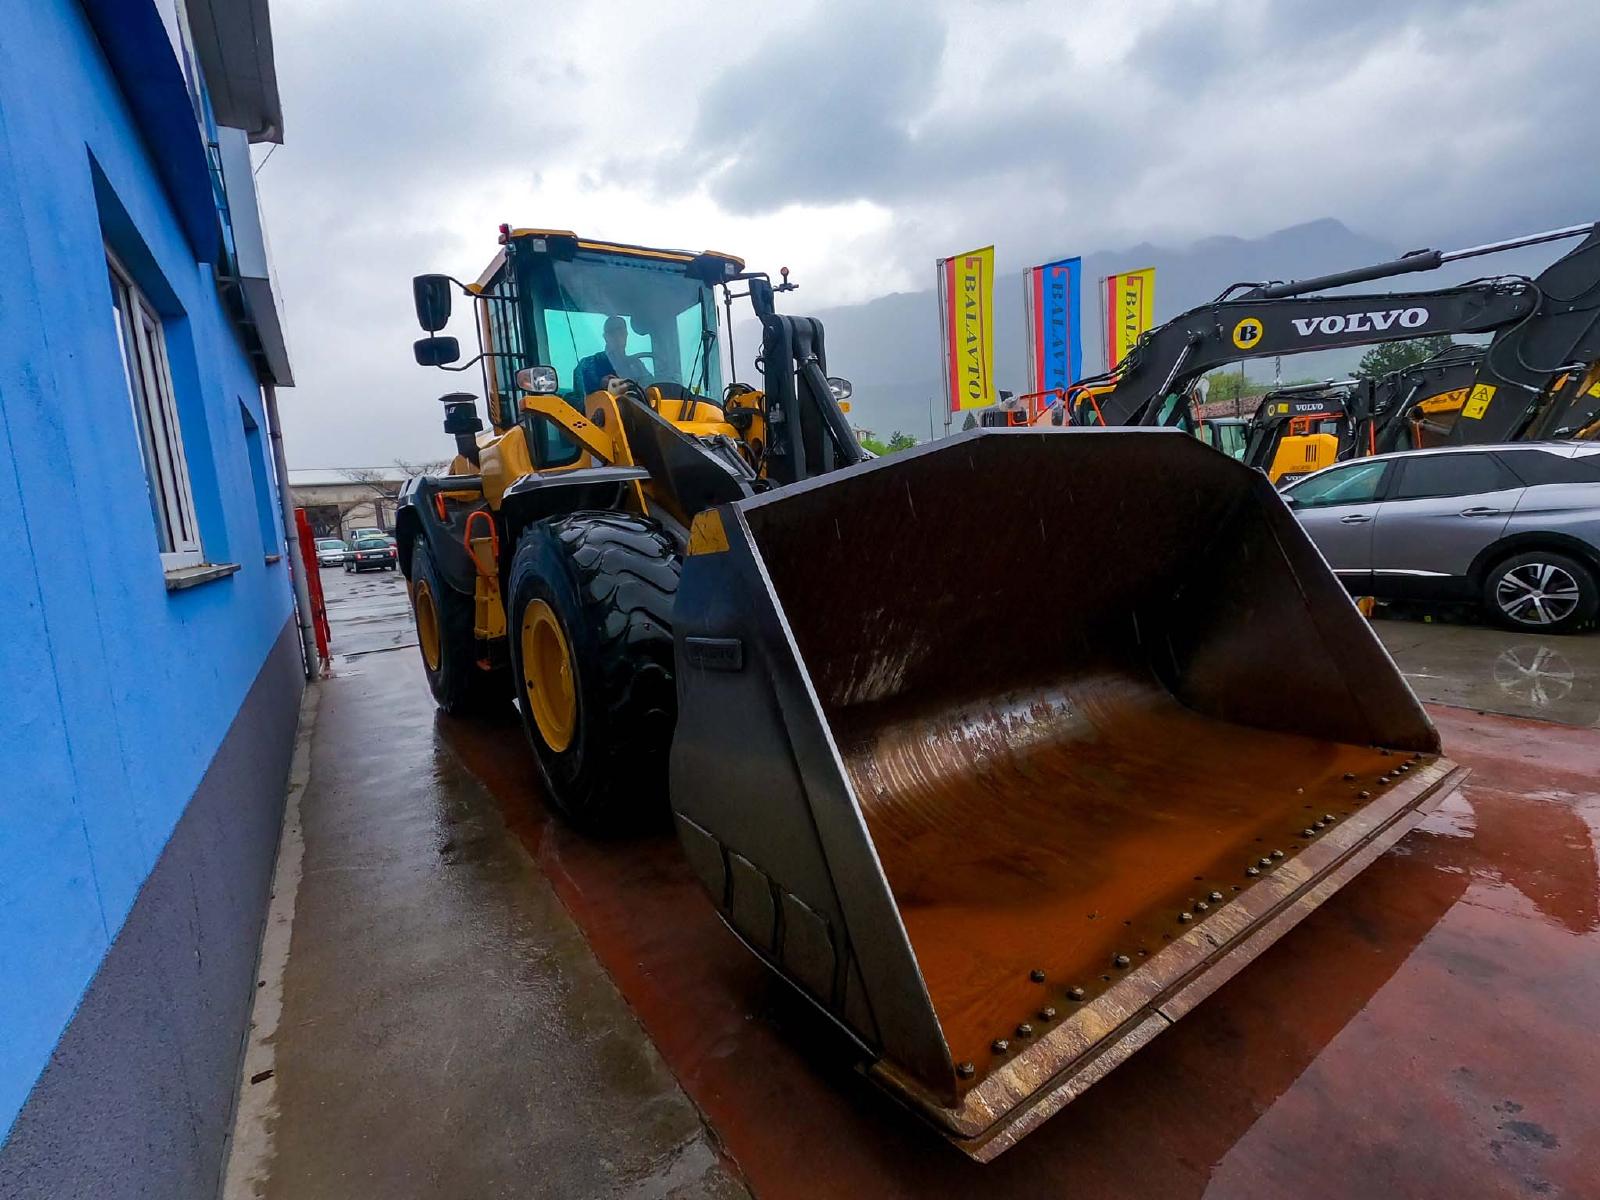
[(1069, 833)]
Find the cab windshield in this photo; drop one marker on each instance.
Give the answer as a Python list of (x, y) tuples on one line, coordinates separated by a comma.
[(662, 324)]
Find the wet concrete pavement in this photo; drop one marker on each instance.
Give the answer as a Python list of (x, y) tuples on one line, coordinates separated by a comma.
[(367, 612), (445, 1029), (1481, 667), (448, 1013)]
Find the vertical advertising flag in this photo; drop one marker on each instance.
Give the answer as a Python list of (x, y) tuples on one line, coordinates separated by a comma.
[(1055, 337), (966, 323), (1130, 305)]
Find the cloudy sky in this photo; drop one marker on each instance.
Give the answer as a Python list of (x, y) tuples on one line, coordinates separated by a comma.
[(855, 142)]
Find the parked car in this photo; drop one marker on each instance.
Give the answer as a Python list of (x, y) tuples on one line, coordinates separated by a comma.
[(1514, 528), (372, 554), (330, 552)]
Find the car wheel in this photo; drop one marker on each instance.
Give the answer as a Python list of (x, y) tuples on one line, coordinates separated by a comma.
[(1541, 590)]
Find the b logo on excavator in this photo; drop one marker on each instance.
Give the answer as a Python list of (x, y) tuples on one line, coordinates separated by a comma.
[(1247, 333)]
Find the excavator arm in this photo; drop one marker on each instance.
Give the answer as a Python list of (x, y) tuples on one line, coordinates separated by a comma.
[(1169, 359), (1539, 324)]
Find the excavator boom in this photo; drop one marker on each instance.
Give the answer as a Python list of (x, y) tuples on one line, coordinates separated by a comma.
[(1540, 327)]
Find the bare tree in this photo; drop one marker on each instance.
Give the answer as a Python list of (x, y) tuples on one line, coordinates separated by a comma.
[(414, 469), (383, 492)]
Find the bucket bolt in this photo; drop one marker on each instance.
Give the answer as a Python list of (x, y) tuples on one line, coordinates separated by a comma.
[(1201, 906), (999, 1045), (1252, 871), (1349, 776), (1328, 817), (1308, 832), (1121, 960), (966, 1070), (1263, 861), (1277, 854), (1024, 1030), (1075, 993), (1036, 975), (1047, 1013), (1364, 795), (1215, 897)]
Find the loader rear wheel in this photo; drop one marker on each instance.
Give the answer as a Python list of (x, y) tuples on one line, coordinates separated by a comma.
[(591, 642), (448, 646)]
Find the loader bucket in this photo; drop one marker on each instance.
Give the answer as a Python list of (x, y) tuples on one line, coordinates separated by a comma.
[(1009, 750)]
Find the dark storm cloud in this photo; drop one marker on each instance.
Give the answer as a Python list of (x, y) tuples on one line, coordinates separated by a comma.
[(818, 114), (1414, 121), (846, 107)]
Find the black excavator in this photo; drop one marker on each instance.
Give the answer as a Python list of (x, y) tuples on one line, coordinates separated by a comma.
[(1544, 330), (1301, 429)]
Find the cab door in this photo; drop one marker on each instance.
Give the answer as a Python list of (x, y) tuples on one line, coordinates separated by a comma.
[(1441, 510), (1338, 508)]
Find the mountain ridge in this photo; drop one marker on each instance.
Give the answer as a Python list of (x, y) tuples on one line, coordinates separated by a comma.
[(889, 346)]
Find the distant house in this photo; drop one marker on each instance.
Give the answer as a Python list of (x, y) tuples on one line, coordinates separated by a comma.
[(340, 499), (150, 654)]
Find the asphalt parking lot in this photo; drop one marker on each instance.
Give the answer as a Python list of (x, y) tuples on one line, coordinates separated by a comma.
[(480, 1002)]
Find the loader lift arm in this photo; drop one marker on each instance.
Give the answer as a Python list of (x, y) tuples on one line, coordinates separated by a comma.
[(1539, 326)]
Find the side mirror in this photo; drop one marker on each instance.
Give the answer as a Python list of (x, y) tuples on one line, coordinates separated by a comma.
[(431, 295), (539, 381), (840, 388), (436, 351)]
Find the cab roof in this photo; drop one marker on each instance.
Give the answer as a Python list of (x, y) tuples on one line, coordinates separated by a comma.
[(598, 245)]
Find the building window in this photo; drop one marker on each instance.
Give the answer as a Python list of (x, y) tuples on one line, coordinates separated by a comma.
[(262, 481), (155, 412)]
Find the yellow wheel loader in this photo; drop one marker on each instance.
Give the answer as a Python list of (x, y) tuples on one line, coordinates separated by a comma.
[(1001, 855)]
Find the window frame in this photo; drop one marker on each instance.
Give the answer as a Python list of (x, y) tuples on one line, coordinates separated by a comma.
[(147, 374)]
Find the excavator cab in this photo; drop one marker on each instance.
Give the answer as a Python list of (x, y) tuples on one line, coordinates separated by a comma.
[(1298, 430), (1227, 434)]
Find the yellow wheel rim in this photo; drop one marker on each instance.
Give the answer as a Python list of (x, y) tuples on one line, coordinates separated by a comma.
[(547, 675), (427, 624)]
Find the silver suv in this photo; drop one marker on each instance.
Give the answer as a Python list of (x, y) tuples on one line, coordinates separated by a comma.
[(1514, 527)]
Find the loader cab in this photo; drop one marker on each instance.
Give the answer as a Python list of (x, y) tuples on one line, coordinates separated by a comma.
[(589, 309)]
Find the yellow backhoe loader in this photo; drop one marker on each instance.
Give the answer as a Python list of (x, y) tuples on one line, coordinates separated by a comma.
[(1000, 854)]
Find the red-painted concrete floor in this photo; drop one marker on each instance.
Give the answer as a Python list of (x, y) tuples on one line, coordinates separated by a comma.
[(1429, 1032)]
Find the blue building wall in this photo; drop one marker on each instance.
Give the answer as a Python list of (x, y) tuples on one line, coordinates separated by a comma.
[(118, 693)]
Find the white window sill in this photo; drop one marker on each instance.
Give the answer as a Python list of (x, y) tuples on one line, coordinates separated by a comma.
[(180, 578)]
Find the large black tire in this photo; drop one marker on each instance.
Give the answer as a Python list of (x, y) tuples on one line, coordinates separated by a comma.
[(608, 579), (1540, 591), (449, 649)]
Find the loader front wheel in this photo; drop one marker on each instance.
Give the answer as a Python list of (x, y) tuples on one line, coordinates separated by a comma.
[(590, 625), (447, 643)]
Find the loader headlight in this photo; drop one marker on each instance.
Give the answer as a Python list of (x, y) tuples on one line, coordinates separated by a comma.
[(840, 388), (539, 381)]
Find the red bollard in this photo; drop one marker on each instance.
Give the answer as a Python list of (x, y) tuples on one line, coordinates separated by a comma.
[(319, 610)]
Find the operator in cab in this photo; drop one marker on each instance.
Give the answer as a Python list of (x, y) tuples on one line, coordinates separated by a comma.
[(614, 359)]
